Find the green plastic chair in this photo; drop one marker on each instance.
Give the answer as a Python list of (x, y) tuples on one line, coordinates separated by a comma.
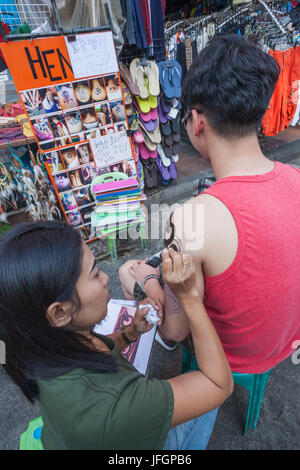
[(31, 438), (254, 383), (106, 178)]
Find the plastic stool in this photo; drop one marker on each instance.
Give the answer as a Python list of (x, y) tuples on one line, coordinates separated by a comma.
[(31, 438), (255, 383)]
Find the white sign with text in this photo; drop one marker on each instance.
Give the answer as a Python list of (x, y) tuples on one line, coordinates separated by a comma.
[(92, 54)]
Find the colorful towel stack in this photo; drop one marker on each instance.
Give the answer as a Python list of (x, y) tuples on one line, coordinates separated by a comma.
[(118, 205)]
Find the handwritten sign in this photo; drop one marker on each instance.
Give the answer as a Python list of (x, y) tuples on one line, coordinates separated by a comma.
[(93, 52), (111, 148)]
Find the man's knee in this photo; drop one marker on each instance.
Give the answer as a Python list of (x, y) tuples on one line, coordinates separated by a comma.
[(124, 271), (126, 280)]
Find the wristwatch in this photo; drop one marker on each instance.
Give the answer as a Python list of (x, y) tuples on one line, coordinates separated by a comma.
[(125, 337)]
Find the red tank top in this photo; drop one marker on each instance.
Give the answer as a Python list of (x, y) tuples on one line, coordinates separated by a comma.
[(255, 303)]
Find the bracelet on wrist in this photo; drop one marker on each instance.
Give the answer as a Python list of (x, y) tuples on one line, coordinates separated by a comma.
[(150, 276)]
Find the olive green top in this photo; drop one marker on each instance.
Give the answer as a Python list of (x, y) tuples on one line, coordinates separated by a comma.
[(85, 409)]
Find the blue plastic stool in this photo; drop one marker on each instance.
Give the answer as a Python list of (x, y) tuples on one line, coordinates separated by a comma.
[(31, 438), (255, 383)]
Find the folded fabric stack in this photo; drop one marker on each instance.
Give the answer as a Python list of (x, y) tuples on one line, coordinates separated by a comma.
[(118, 205), (11, 128)]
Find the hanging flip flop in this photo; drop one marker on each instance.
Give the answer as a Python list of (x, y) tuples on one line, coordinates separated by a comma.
[(175, 78), (176, 124), (162, 169), (149, 144), (152, 72), (166, 128), (162, 116), (144, 105), (175, 149), (168, 139), (164, 79), (145, 116), (154, 173), (138, 136), (153, 155), (138, 76), (168, 151), (173, 170), (151, 177), (152, 100), (125, 74), (176, 137), (154, 136), (149, 125), (144, 152), (165, 160), (165, 104)]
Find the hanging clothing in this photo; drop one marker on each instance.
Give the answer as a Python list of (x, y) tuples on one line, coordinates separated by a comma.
[(128, 33), (3, 65), (140, 35), (181, 58), (188, 52), (144, 4), (282, 105), (157, 29), (296, 117), (194, 50), (271, 119)]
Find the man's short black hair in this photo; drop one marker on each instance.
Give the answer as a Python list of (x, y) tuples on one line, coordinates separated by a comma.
[(232, 81)]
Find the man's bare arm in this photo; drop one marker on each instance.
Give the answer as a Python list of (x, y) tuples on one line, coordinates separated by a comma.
[(175, 325)]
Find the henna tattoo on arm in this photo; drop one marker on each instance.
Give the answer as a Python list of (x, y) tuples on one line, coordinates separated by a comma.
[(172, 241), (171, 304)]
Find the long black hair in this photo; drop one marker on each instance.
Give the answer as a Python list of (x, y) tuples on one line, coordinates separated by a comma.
[(40, 263)]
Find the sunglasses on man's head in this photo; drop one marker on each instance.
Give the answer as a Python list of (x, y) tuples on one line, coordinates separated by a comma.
[(188, 115)]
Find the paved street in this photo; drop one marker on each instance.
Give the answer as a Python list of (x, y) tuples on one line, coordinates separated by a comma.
[(279, 422)]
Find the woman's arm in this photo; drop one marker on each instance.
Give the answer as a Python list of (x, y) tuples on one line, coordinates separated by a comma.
[(198, 392)]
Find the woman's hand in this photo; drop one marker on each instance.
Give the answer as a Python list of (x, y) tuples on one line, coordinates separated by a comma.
[(139, 270), (139, 322), (179, 273)]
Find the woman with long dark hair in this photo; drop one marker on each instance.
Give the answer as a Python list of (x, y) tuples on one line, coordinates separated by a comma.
[(51, 295)]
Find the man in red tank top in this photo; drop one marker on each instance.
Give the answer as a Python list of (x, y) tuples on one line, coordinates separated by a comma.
[(244, 231)]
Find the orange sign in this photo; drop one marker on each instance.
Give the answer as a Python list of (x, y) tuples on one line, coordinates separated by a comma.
[(38, 62)]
